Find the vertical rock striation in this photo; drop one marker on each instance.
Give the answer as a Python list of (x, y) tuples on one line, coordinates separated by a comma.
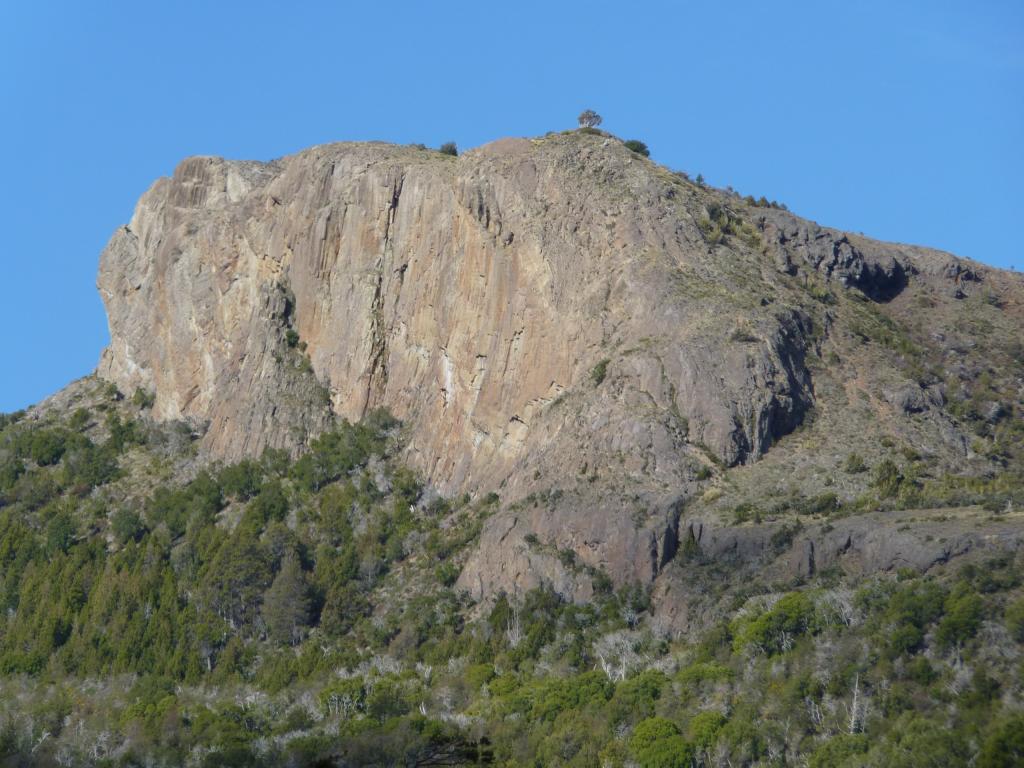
[(558, 319), (467, 295)]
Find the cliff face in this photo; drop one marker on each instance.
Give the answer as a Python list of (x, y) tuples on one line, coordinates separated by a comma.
[(555, 316), (465, 295)]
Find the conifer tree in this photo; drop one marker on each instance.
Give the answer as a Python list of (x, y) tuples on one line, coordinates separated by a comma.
[(286, 605)]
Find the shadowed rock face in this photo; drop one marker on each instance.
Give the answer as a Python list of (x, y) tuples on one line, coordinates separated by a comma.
[(542, 314)]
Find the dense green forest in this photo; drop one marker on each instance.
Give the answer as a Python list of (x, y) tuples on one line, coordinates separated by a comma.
[(159, 611)]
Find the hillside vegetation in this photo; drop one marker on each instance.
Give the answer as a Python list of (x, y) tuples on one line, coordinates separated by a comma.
[(275, 612)]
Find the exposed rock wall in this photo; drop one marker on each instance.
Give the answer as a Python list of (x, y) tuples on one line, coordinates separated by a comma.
[(466, 295), (545, 315)]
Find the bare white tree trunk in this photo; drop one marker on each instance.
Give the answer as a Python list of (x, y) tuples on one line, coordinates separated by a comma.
[(855, 707), (514, 627)]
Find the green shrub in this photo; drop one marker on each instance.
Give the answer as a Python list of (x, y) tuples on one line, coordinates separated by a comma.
[(1015, 619), (197, 503), (449, 148), (599, 372), (60, 532), (127, 526), (964, 610), (270, 503), (906, 613), (337, 453), (378, 422), (657, 743), (635, 145), (904, 639), (88, 466), (123, 433), (776, 629), (913, 740), (855, 464), (79, 419), (841, 750), (635, 698), (7, 419), (705, 671), (720, 222), (46, 447), (152, 698), (447, 573), (241, 481), (887, 479), (602, 583), (921, 671), (10, 471), (1004, 746), (143, 399), (479, 675), (704, 727), (555, 695), (823, 504)]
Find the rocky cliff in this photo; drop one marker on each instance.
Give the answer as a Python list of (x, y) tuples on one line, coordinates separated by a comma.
[(558, 320)]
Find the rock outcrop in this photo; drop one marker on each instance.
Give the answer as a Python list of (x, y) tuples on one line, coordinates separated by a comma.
[(558, 320), (467, 295)]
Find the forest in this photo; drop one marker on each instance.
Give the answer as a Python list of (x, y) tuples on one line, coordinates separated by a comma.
[(159, 611)]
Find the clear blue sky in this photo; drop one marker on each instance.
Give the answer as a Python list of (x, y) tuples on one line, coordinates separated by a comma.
[(902, 120)]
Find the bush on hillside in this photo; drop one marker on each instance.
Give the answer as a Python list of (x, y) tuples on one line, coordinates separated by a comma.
[(635, 145)]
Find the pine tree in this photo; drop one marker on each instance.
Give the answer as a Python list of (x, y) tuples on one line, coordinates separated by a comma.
[(286, 605), (236, 578)]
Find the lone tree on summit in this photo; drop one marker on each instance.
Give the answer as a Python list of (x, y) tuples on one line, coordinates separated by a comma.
[(589, 119)]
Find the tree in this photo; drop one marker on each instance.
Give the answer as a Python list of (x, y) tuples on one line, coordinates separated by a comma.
[(270, 504), (1015, 620), (60, 533), (775, 630), (635, 145), (236, 578), (449, 148), (242, 480), (616, 653), (10, 471), (964, 611), (1004, 746), (286, 605), (887, 479), (916, 742), (657, 743), (47, 447), (844, 749), (589, 119), (127, 525)]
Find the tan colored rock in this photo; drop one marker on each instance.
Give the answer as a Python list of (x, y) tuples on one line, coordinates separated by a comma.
[(544, 315), (464, 294)]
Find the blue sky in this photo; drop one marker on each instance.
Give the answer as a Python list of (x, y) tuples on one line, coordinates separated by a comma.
[(902, 120)]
